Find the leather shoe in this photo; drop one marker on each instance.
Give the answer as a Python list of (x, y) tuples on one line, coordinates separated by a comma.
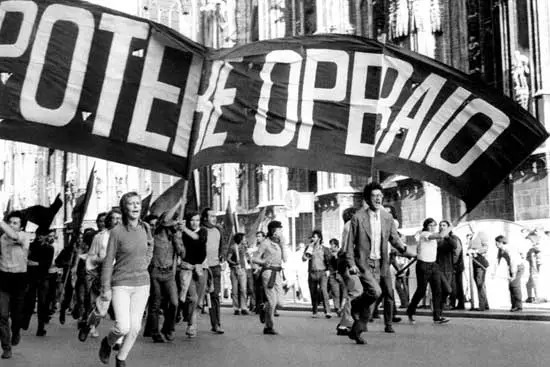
[(442, 320), (104, 351), (396, 319), (83, 331), (158, 338), (270, 331), (389, 329), (15, 338), (515, 309), (358, 339), (342, 330), (411, 319), (237, 312), (41, 332), (244, 312), (120, 363), (218, 330), (6, 354), (170, 336)]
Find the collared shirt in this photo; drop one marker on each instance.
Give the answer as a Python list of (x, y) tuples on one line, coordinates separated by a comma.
[(213, 239), (271, 252), (427, 248), (98, 250), (14, 252), (376, 235)]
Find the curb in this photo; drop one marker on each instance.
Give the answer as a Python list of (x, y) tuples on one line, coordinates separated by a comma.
[(492, 315)]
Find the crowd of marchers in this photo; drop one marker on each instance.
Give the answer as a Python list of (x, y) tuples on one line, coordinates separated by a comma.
[(168, 270)]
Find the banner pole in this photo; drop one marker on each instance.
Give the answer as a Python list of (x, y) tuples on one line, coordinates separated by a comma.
[(184, 198)]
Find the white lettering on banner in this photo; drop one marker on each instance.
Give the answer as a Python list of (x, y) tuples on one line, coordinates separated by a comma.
[(427, 92), (204, 105), (29, 10), (500, 122), (150, 88), (62, 115), (359, 105), (185, 121), (222, 97), (310, 93), (432, 129), (124, 30), (260, 135)]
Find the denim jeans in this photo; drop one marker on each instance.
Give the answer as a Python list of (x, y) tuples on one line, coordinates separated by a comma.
[(238, 288), (250, 290), (129, 304), (215, 319), (318, 282), (515, 289), (163, 286), (13, 287), (337, 289)]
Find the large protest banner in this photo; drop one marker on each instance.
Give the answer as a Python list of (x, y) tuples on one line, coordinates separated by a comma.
[(90, 80), (346, 104), (86, 79)]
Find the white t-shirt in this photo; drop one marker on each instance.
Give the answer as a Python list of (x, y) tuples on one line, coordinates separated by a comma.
[(14, 252), (427, 249)]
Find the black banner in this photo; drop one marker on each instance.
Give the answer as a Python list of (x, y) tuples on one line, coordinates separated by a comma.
[(86, 79)]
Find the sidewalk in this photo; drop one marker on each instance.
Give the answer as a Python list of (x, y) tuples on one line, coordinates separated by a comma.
[(530, 312)]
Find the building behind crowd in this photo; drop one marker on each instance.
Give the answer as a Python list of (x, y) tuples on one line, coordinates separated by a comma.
[(502, 42)]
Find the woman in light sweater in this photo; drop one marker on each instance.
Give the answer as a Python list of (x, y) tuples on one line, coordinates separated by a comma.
[(124, 277)]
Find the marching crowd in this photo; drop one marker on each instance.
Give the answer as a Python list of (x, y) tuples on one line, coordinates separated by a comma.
[(173, 267)]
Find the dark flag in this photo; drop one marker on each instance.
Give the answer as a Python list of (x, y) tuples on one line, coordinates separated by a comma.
[(9, 208), (42, 216), (251, 237), (145, 204), (229, 224), (81, 205), (168, 199)]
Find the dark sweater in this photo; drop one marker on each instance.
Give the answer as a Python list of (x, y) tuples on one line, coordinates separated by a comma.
[(195, 250)]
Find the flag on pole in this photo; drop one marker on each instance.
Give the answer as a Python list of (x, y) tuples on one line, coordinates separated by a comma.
[(229, 224), (81, 205), (42, 216), (251, 236), (168, 199), (9, 208)]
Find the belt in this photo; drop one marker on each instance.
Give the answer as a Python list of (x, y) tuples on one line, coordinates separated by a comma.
[(317, 271), (274, 271), (163, 268)]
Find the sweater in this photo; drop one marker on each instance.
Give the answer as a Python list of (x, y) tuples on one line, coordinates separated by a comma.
[(129, 252)]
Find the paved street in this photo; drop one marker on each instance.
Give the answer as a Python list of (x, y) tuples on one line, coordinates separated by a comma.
[(308, 342)]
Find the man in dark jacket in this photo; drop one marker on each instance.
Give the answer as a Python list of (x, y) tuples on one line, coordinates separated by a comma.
[(445, 251)]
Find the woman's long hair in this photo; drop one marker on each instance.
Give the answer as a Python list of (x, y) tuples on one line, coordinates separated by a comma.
[(426, 223), (188, 217), (123, 205)]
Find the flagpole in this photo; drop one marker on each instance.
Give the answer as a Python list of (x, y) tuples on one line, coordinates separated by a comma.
[(184, 198)]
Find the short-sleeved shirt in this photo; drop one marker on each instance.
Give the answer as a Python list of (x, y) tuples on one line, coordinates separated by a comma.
[(427, 248), (271, 252), (14, 252)]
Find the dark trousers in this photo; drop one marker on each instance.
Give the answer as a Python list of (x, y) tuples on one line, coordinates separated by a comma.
[(318, 282), (163, 286), (402, 288), (258, 290), (361, 305), (82, 292), (337, 289), (386, 295), (13, 287), (215, 320), (427, 272), (250, 289), (457, 294), (479, 278), (515, 289), (446, 288), (37, 293)]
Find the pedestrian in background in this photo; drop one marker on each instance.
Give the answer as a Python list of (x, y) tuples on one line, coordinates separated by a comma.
[(216, 253), (480, 265), (270, 256), (515, 271), (534, 259), (125, 278), (237, 264), (318, 258)]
